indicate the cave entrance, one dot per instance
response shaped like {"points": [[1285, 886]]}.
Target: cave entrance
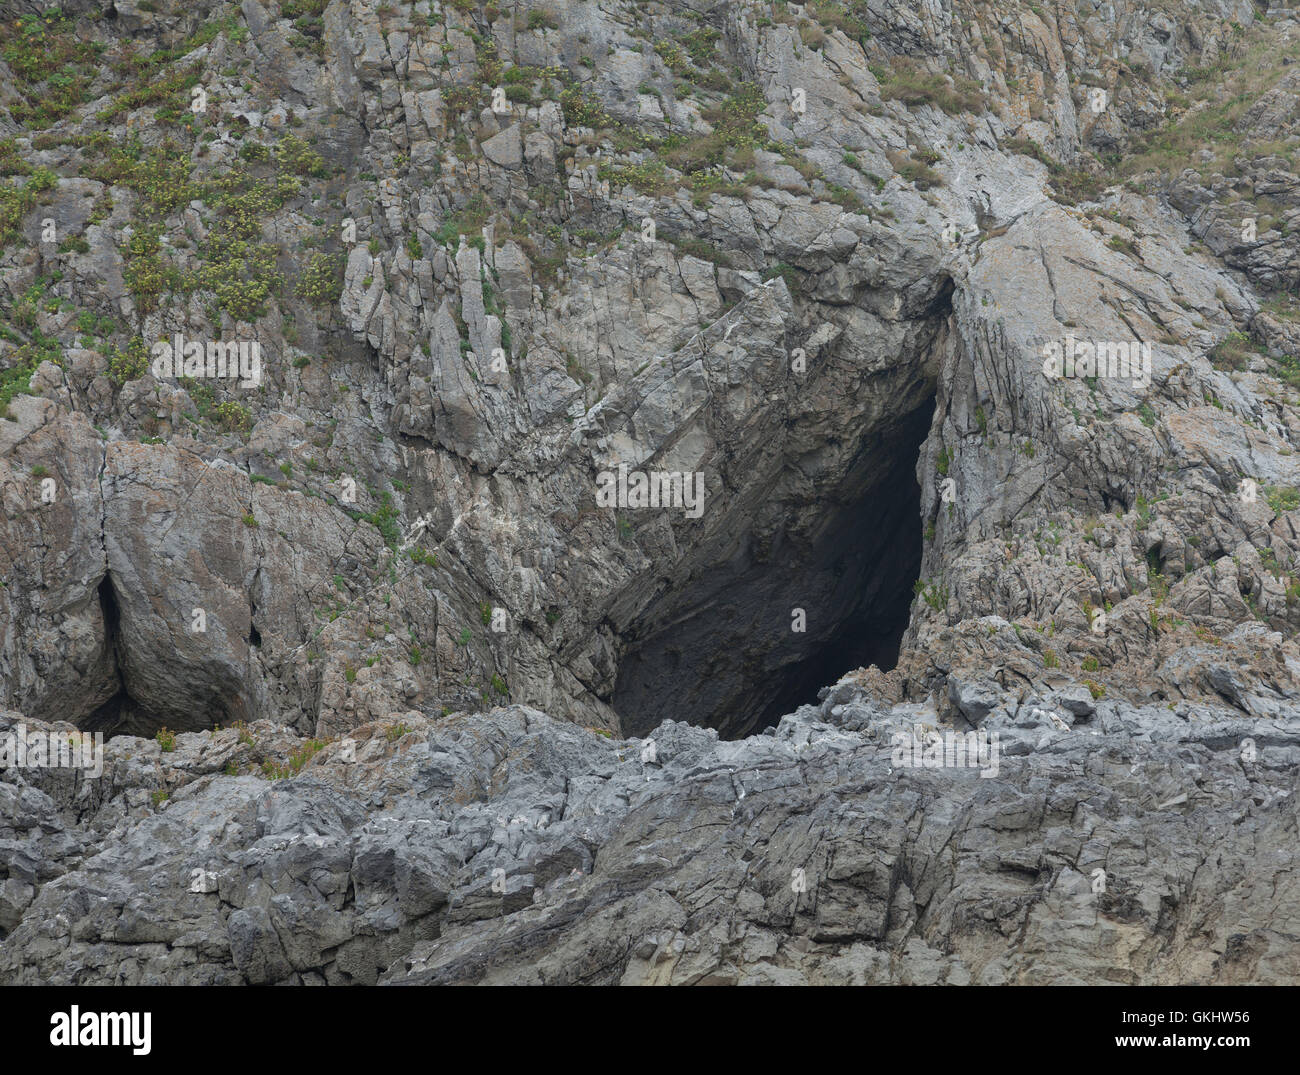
{"points": [[124, 713], [721, 651], [120, 714]]}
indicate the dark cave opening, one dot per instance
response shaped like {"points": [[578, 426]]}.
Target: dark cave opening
{"points": [[721, 651], [120, 712], [188, 703]]}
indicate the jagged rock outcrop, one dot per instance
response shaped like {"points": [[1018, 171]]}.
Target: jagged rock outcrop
{"points": [[1110, 844]]}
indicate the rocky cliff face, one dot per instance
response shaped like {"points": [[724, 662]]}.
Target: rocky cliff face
{"points": [[971, 328]]}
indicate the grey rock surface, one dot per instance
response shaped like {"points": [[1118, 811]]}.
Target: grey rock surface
{"points": [[1132, 845], [377, 666]]}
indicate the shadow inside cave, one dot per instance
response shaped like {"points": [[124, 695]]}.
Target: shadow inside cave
{"points": [[720, 651]]}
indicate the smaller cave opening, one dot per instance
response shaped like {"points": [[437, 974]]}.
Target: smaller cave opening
{"points": [[120, 713], [192, 707], [1156, 558]]}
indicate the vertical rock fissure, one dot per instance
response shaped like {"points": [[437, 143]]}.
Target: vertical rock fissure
{"points": [[108, 715]]}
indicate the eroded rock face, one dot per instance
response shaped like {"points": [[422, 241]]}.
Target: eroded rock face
{"points": [[1105, 844], [817, 266]]}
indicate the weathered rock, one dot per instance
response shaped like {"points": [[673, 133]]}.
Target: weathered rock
{"points": [[802, 856], [835, 315]]}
